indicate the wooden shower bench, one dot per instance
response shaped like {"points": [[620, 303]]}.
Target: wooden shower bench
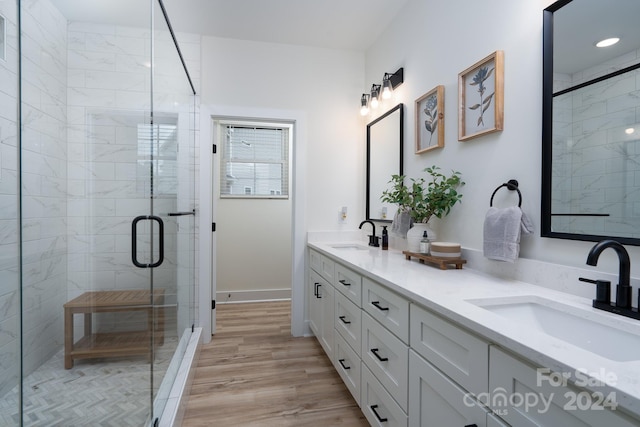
{"points": [[113, 344]]}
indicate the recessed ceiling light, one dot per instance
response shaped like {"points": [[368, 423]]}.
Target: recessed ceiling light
{"points": [[629, 131], [608, 42]]}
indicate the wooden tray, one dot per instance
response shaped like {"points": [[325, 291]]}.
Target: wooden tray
{"points": [[441, 262]]}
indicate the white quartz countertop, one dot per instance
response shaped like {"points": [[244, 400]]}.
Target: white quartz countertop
{"points": [[446, 292]]}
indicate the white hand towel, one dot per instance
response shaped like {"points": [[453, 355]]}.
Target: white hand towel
{"points": [[502, 228]]}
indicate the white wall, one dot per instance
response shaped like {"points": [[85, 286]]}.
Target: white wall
{"points": [[434, 41], [317, 88]]}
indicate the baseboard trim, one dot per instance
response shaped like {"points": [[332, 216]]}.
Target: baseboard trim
{"points": [[223, 297]]}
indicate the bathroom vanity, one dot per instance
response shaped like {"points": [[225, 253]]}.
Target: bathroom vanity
{"points": [[420, 346]]}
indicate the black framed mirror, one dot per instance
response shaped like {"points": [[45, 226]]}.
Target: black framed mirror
{"points": [[590, 128], [384, 158]]}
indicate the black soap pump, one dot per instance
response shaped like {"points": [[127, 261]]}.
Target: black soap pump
{"points": [[385, 238]]}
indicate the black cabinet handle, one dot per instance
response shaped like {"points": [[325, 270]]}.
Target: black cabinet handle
{"points": [[316, 292], [346, 322], [373, 409], [377, 305], [471, 425], [344, 282], [375, 353], [342, 363]]}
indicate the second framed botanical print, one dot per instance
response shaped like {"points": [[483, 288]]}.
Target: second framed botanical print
{"points": [[481, 97], [430, 120]]}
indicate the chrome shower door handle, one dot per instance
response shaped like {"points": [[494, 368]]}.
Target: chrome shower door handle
{"points": [[134, 244]]}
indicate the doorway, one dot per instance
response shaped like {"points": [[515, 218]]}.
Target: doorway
{"points": [[254, 209]]}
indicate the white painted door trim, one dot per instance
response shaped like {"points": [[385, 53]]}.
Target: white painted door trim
{"points": [[207, 203]]}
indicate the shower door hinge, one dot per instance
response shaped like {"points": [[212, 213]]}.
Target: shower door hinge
{"points": [[213, 227], [213, 304], [215, 148]]}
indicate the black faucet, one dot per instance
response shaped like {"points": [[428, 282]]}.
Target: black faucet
{"points": [[373, 239], [622, 304]]}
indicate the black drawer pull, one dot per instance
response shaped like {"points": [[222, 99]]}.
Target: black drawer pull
{"points": [[471, 425], [346, 322], [373, 409], [377, 305], [344, 282], [317, 291], [342, 363], [375, 353]]}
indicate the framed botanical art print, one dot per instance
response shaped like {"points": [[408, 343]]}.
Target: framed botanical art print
{"points": [[430, 120], [481, 97]]}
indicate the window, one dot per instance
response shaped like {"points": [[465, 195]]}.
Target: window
{"points": [[158, 155], [255, 159]]}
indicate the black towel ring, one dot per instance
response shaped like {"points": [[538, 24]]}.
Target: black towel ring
{"points": [[511, 185]]}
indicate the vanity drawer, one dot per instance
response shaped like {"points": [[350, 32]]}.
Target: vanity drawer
{"points": [[322, 264], [387, 358], [348, 321], [512, 377], [348, 365], [436, 401], [387, 307], [349, 283], [378, 405], [460, 355]]}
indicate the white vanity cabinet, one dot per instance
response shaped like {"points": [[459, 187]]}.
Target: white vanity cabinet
{"points": [[321, 295], [408, 365], [436, 401], [461, 355], [533, 400], [447, 370]]}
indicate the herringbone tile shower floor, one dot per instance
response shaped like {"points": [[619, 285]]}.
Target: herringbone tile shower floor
{"points": [[100, 392]]}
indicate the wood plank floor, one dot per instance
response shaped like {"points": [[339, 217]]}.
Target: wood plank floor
{"points": [[254, 373]]}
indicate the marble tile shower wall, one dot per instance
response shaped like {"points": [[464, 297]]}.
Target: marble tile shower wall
{"points": [[44, 180], [593, 152], [108, 96], [9, 262]]}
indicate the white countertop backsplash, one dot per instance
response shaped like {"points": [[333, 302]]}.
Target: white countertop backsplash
{"points": [[446, 292]]}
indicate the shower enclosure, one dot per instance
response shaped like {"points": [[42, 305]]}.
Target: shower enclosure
{"points": [[97, 212]]}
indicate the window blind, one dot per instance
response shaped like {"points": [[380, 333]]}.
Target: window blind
{"points": [[255, 161]]}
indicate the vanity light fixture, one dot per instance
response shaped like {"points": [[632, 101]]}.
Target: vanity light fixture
{"points": [[608, 42], [391, 81], [364, 104], [375, 95]]}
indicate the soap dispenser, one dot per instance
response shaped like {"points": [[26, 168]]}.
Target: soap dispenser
{"points": [[385, 238], [424, 244]]}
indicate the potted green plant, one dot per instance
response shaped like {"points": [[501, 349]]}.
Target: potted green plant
{"points": [[423, 198]]}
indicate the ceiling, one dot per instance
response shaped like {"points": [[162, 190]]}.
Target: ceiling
{"points": [[336, 24], [581, 23]]}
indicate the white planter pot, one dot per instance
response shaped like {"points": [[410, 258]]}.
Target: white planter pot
{"points": [[415, 233]]}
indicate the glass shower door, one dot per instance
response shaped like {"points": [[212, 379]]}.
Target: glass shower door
{"points": [[10, 361]]}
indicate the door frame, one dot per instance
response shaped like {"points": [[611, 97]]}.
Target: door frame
{"points": [[208, 206]]}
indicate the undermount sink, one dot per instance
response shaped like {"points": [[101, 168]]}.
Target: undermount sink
{"points": [[352, 246], [596, 332]]}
